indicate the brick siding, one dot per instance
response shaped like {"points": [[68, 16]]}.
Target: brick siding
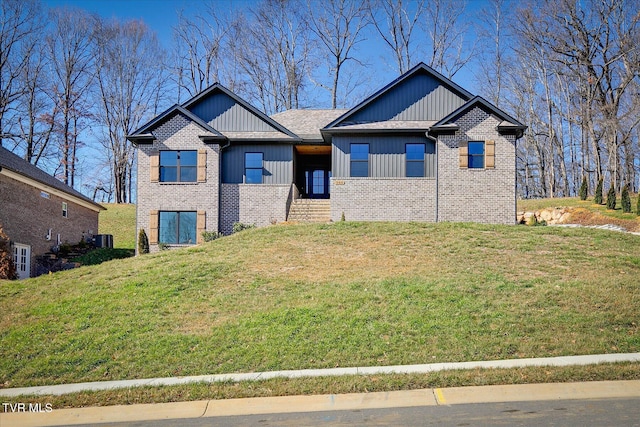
{"points": [[478, 195], [177, 133], [26, 217], [383, 199], [253, 204]]}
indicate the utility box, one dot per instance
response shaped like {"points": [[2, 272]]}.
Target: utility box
{"points": [[104, 240]]}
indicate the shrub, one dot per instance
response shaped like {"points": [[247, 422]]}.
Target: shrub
{"points": [[342, 217], [143, 242], [209, 236], [163, 246], [7, 266], [598, 196], [611, 198], [584, 189], [638, 205], [239, 226], [626, 199]]}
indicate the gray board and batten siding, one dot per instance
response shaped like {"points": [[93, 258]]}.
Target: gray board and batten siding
{"points": [[387, 158], [277, 163], [224, 114], [422, 97]]}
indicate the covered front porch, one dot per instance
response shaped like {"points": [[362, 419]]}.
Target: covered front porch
{"points": [[312, 171]]}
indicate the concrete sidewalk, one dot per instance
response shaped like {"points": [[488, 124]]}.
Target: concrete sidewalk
{"points": [[329, 402], [374, 370]]}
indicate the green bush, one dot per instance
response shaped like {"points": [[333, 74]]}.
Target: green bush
{"points": [[611, 198], [163, 246], [7, 266], [209, 236], [342, 217], [638, 205], [143, 242], [239, 226], [626, 199], [598, 196], [584, 189]]}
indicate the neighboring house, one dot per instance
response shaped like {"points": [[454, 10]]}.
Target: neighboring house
{"points": [[420, 149], [37, 211]]}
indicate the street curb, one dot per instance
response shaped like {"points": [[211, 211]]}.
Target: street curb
{"points": [[61, 389], [354, 401]]}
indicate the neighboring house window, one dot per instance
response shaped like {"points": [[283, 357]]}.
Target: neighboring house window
{"points": [[177, 227], [253, 168], [476, 155], [65, 210], [415, 160], [178, 166], [359, 160]]}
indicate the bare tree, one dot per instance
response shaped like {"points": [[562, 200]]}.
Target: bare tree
{"points": [[494, 39], [339, 25], [71, 58], [199, 44], [595, 42], [274, 53], [129, 87], [18, 21], [446, 34], [396, 22], [36, 111]]}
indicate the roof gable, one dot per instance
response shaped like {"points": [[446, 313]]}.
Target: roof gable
{"points": [[144, 133], [421, 94], [230, 114], [508, 123]]}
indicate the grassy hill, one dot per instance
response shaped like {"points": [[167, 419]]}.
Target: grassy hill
{"points": [[586, 212], [317, 296], [120, 221]]}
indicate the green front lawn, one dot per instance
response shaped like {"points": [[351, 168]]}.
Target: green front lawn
{"points": [[322, 296]]}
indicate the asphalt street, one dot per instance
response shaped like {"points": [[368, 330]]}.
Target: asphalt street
{"points": [[589, 412]]}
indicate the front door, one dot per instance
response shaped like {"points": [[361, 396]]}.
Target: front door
{"points": [[22, 260], [317, 181]]}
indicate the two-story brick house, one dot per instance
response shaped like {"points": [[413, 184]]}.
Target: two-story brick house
{"points": [[38, 211], [420, 149]]}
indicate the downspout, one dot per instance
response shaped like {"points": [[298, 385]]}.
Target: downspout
{"points": [[435, 141]]}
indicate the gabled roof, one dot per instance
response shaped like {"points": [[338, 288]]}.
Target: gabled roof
{"points": [[218, 88], [307, 123], [14, 163], [420, 69], [144, 134], [508, 123]]}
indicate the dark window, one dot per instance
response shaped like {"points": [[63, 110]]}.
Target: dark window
{"points": [[415, 160], [65, 210], [253, 168], [178, 227], [359, 160], [476, 155], [178, 166]]}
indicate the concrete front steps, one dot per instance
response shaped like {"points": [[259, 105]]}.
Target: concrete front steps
{"points": [[310, 210]]}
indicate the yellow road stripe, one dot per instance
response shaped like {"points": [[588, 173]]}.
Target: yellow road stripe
{"points": [[440, 397]]}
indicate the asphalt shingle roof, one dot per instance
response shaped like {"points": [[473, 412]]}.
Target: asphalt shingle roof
{"points": [[307, 123], [17, 164]]}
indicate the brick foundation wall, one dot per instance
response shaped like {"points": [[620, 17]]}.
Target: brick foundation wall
{"points": [[26, 217], [253, 204], [383, 199], [178, 133], [478, 195]]}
